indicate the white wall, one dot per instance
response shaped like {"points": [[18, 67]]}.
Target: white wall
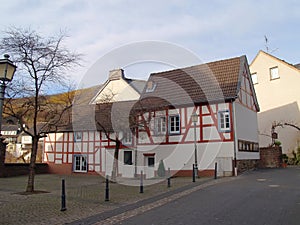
{"points": [[246, 129], [182, 157], [279, 100]]}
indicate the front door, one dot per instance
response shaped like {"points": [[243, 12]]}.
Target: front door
{"points": [[149, 166]]}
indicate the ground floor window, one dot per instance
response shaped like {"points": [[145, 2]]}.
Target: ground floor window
{"points": [[248, 146], [127, 157], [151, 161], [80, 163]]}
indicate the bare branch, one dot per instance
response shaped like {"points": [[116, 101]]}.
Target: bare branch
{"points": [[42, 62]]}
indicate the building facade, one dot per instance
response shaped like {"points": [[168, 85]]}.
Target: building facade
{"points": [[276, 84], [158, 127]]}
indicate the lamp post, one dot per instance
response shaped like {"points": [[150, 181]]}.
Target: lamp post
{"points": [[7, 71], [195, 120]]}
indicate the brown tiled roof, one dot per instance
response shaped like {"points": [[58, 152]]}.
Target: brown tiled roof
{"points": [[205, 83], [214, 81], [102, 117]]}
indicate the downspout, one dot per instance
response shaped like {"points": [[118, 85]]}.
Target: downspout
{"points": [[234, 139]]}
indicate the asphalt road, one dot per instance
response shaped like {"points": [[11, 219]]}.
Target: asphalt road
{"points": [[263, 197]]}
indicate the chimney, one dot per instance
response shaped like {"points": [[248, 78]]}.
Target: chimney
{"points": [[116, 74]]}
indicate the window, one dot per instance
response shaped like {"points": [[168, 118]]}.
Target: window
{"points": [[77, 136], [254, 78], [159, 125], [127, 157], [151, 161], [127, 139], [224, 121], [274, 74], [174, 124], [80, 163], [150, 86], [248, 146]]}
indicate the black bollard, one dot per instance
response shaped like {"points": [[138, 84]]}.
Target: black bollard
{"points": [[194, 174], [63, 196], [141, 183], [169, 178], [216, 170], [106, 189]]}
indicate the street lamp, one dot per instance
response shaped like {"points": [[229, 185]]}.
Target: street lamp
{"points": [[195, 121], [7, 71]]}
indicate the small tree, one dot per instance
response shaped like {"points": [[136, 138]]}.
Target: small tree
{"points": [[42, 62], [161, 171]]}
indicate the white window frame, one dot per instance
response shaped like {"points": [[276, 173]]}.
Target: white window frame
{"points": [[254, 78], [274, 73], [160, 127], [174, 124], [224, 121], [80, 163]]}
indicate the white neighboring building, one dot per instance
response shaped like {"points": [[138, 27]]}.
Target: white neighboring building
{"points": [[276, 85]]}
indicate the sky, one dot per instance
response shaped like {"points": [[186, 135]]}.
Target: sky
{"points": [[211, 30]]}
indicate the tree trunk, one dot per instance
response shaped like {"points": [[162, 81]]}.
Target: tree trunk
{"points": [[114, 172], [30, 183]]}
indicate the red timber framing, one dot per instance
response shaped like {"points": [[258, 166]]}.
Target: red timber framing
{"points": [[208, 123], [60, 148], [246, 94]]}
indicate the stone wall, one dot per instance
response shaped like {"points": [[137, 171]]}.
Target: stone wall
{"points": [[247, 164], [270, 157], [18, 169]]}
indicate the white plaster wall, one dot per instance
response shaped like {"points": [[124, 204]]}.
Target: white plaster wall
{"points": [[246, 123], [118, 90], [246, 129], [182, 157], [279, 100]]}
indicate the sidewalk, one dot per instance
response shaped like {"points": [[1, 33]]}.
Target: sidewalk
{"points": [[85, 198]]}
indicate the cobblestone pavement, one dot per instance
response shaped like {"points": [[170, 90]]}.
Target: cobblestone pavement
{"points": [[85, 199], [126, 212]]}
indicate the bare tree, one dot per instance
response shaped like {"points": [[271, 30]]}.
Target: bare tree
{"points": [[42, 63], [276, 124]]}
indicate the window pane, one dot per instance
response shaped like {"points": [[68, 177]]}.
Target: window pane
{"points": [[83, 164], [274, 73], [224, 121], [151, 161], [80, 163], [160, 125], [128, 157], [174, 124], [254, 78], [77, 163], [127, 137]]}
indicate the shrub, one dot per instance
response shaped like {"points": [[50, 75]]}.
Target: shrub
{"points": [[277, 143], [161, 171]]}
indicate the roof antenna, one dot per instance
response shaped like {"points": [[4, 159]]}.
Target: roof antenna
{"points": [[266, 43]]}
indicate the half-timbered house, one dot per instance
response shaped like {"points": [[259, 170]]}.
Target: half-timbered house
{"points": [[204, 114]]}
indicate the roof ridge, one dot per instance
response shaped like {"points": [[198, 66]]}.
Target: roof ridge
{"points": [[279, 59], [194, 66]]}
